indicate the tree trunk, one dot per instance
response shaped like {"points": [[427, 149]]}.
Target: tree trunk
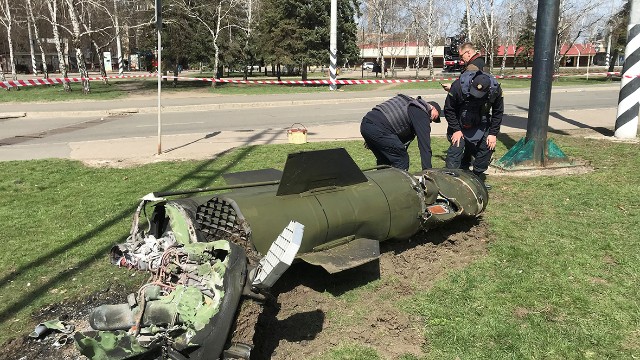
{"points": [[45, 71], [2, 77], [116, 23], [32, 50], [304, 71], [9, 27], [612, 62], [504, 59], [468, 20], [417, 59], [430, 39], [216, 48], [53, 10], [175, 73], [103, 71], [82, 67], [98, 50]]}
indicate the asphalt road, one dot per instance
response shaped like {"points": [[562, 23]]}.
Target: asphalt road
{"points": [[195, 115]]}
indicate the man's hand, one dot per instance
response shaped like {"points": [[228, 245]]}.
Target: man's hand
{"points": [[456, 137], [491, 142], [446, 87]]}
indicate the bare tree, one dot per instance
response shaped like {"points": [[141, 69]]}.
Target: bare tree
{"points": [[213, 17], [487, 34], [36, 33], [513, 19], [468, 14], [575, 17], [77, 44], [116, 23], [430, 28], [52, 5], [7, 21], [246, 25], [87, 24], [379, 12]]}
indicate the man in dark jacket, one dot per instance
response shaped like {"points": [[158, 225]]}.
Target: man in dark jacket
{"points": [[473, 110], [389, 128], [471, 58]]}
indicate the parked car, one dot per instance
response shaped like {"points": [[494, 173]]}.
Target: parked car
{"points": [[368, 65]]}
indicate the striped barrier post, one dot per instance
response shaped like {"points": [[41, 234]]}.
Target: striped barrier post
{"points": [[629, 99], [333, 46]]}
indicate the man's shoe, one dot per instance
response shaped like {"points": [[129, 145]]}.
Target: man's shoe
{"points": [[483, 178]]}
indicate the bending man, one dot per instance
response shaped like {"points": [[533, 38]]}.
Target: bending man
{"points": [[389, 128]]}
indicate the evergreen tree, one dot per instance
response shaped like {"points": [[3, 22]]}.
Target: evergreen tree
{"points": [[295, 33], [618, 23], [526, 40]]}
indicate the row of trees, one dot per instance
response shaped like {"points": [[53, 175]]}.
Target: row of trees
{"points": [[291, 34], [231, 33], [490, 24]]}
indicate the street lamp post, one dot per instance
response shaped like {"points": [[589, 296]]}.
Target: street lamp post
{"points": [[159, 62]]}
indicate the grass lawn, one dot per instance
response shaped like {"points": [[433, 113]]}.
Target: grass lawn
{"points": [[560, 279]]}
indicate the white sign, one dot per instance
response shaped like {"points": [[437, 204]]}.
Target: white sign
{"points": [[106, 57]]}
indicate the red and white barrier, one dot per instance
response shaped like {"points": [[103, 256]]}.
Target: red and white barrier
{"points": [[53, 81]]}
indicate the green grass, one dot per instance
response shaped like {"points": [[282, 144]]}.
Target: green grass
{"points": [[560, 279], [46, 93]]}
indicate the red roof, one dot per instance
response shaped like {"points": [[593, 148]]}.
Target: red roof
{"points": [[575, 50], [579, 49]]}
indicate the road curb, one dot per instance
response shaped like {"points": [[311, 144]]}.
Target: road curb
{"points": [[12, 115]]}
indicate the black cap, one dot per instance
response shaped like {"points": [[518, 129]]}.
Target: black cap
{"points": [[480, 85], [437, 106]]}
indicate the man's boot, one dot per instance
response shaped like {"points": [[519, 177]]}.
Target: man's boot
{"points": [[483, 178]]}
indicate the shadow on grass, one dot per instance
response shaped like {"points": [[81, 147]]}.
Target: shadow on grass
{"points": [[27, 297]]}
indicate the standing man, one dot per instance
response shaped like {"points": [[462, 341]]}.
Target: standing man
{"points": [[389, 128], [473, 109], [471, 58]]}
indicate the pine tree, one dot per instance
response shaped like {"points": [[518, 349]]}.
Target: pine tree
{"points": [[526, 40], [296, 32]]}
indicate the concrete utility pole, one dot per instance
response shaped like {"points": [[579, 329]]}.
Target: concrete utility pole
{"points": [[542, 77], [159, 62], [628, 101], [333, 45]]}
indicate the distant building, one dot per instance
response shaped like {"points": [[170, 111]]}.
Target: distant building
{"points": [[402, 55]]}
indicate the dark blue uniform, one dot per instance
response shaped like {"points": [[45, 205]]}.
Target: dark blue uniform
{"points": [[476, 118], [392, 125]]}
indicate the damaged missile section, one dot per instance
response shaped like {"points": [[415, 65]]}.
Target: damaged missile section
{"points": [[219, 248]]}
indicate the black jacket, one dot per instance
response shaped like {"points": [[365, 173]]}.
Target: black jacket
{"points": [[456, 103]]}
